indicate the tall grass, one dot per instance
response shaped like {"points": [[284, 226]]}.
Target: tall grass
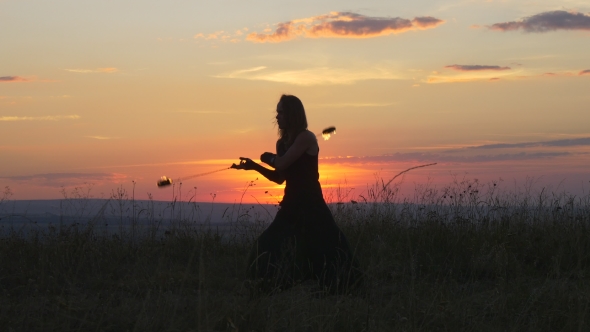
{"points": [[467, 256]]}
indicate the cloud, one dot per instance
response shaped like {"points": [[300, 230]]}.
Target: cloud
{"points": [[426, 22], [312, 76], [9, 79], [472, 73], [107, 70], [461, 79], [476, 67], [66, 179], [585, 72], [547, 21], [207, 162], [285, 31], [39, 118], [494, 77], [558, 74], [439, 157], [215, 35], [202, 112], [584, 141], [222, 36], [237, 73], [343, 25], [101, 137], [503, 152], [351, 105]]}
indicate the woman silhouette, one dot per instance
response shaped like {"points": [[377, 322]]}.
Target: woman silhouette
{"points": [[303, 242]]}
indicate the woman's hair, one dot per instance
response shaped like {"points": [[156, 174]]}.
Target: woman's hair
{"points": [[296, 121]]}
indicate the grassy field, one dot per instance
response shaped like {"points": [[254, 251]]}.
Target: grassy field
{"points": [[467, 257]]}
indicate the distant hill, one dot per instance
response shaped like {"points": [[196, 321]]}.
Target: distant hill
{"points": [[110, 215]]}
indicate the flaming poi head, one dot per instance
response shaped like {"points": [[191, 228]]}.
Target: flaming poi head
{"points": [[326, 133], [164, 181]]}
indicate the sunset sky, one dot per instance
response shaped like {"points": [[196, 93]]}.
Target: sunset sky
{"points": [[98, 94]]}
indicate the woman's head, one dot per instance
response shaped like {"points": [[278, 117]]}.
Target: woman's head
{"points": [[291, 118]]}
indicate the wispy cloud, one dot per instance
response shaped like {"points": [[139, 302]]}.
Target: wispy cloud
{"points": [[312, 76], [343, 25], [222, 36], [67, 179], [352, 105], [214, 35], [471, 73], [494, 73], [547, 75], [39, 118], [101, 137], [479, 154], [440, 157], [13, 79], [107, 70], [201, 112], [584, 141], [242, 72], [476, 67], [557, 74], [190, 162], [547, 21], [448, 79]]}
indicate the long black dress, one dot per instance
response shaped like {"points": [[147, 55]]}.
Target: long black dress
{"points": [[303, 242]]}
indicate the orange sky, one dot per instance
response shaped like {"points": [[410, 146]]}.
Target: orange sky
{"points": [[100, 95]]}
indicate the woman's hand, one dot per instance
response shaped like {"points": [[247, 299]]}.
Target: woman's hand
{"points": [[268, 158], [245, 164]]}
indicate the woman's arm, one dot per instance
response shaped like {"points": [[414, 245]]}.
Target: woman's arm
{"points": [[304, 141], [272, 175]]}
